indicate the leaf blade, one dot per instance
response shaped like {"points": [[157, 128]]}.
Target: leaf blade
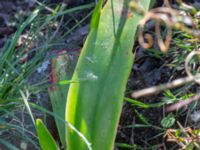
{"points": [[94, 103], [45, 138]]}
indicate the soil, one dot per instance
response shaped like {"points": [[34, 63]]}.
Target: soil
{"points": [[147, 71]]}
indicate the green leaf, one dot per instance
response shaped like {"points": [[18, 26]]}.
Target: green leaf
{"points": [[61, 73], [127, 146], [190, 146], [94, 103], [95, 17], [138, 126], [168, 121], [142, 118], [124, 145], [137, 103], [45, 138]]}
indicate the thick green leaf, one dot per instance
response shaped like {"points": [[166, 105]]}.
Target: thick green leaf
{"points": [[45, 138], [94, 103], [61, 72]]}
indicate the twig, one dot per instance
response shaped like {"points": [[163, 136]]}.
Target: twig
{"points": [[166, 15], [182, 103], [160, 88]]}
